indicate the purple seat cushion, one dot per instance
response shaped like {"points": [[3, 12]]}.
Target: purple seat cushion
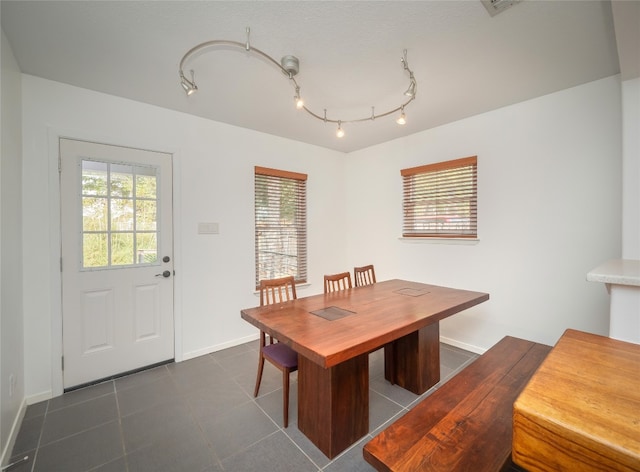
{"points": [[282, 354]]}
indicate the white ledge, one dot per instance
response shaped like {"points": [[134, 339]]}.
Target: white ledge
{"points": [[617, 272]]}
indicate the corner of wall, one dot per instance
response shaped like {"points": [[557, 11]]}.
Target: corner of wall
{"points": [[631, 169], [12, 391]]}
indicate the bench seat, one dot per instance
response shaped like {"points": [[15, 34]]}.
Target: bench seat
{"points": [[466, 424]]}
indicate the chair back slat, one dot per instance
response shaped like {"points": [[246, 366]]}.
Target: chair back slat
{"points": [[277, 290], [335, 282], [365, 275]]}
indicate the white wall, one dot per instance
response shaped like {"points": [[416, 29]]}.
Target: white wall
{"points": [[631, 169], [11, 326], [549, 178], [213, 182], [550, 210]]}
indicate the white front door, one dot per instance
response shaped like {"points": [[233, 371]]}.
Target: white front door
{"points": [[117, 260]]}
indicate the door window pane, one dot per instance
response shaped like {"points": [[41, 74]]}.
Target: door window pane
{"points": [[146, 183], [94, 214], [94, 178], [121, 180], [122, 248], [119, 218], [121, 214], [95, 250], [145, 215], [147, 248]]}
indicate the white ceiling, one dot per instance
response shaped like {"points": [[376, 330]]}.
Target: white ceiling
{"points": [[465, 61]]}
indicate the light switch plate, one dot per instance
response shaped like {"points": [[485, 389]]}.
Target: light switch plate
{"points": [[208, 228]]}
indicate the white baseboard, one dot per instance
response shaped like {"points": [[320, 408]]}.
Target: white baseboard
{"points": [[39, 397], [13, 434], [461, 345], [218, 347]]}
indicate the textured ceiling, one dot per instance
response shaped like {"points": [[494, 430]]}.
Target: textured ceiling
{"points": [[465, 61]]}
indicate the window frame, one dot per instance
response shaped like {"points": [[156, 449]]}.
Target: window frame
{"points": [[422, 185], [277, 178]]}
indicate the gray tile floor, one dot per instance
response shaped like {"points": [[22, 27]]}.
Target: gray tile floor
{"points": [[198, 416]]}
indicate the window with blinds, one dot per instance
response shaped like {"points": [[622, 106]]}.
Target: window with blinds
{"points": [[280, 224], [441, 200]]}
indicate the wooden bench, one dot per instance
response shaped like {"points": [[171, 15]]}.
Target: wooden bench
{"points": [[465, 425]]}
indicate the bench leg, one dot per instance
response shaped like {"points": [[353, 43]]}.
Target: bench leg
{"points": [[413, 361]]}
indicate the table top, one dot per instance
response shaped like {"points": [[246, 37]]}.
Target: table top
{"points": [[360, 319], [584, 397]]}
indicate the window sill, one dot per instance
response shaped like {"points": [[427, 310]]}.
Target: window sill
{"points": [[453, 241]]}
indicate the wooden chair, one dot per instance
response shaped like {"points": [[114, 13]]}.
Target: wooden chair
{"points": [[280, 355], [335, 282], [365, 275]]}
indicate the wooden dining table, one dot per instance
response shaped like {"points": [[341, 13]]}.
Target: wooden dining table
{"points": [[333, 335]]}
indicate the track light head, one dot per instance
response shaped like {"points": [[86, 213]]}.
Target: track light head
{"points": [[411, 91], [298, 99], [189, 86], [402, 119]]}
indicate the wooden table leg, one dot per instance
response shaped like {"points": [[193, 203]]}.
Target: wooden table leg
{"points": [[413, 361], [333, 403]]}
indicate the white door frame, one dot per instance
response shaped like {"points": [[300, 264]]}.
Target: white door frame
{"points": [[55, 248]]}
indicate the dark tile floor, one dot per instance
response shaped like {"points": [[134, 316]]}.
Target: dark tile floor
{"points": [[198, 416]]}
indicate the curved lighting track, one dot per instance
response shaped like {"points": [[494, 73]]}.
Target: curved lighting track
{"points": [[289, 66]]}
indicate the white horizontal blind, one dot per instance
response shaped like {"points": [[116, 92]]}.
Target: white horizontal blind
{"points": [[440, 200], [280, 224]]}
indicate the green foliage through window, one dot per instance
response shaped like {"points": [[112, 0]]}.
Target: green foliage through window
{"points": [[119, 214]]}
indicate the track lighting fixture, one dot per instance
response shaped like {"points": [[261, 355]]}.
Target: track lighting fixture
{"points": [[290, 66]]}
